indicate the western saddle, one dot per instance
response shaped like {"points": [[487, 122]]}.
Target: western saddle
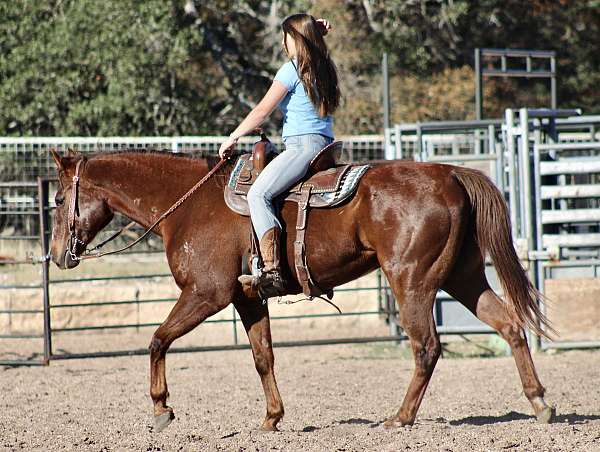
{"points": [[326, 184]]}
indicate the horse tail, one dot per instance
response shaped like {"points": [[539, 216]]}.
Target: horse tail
{"points": [[493, 235]]}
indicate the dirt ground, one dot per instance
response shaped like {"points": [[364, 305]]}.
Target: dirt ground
{"points": [[336, 398]]}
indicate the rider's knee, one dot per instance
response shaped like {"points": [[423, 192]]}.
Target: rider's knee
{"points": [[256, 195]]}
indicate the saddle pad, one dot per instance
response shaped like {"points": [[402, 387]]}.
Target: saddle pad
{"points": [[347, 186]]}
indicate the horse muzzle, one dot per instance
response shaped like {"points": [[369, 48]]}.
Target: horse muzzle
{"points": [[65, 260], [68, 261]]}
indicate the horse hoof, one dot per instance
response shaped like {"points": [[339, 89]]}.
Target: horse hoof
{"points": [[162, 421], [396, 422], [546, 415], [268, 427]]}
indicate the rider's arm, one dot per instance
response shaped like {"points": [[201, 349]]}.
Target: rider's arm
{"points": [[257, 116]]}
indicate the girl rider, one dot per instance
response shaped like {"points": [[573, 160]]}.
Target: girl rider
{"points": [[306, 90]]}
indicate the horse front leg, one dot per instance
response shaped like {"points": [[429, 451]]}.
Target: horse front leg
{"points": [[190, 310], [255, 317]]}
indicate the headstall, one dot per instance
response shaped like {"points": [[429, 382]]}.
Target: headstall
{"points": [[74, 212]]}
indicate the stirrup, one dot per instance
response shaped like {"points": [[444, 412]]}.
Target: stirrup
{"points": [[270, 284]]}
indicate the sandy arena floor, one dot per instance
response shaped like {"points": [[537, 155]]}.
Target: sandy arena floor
{"points": [[335, 398]]}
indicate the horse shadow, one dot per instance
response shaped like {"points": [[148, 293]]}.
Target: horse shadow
{"points": [[351, 421], [569, 418]]}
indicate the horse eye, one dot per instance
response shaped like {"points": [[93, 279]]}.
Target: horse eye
{"points": [[59, 200]]}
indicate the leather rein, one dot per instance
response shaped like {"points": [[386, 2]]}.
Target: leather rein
{"points": [[74, 213]]}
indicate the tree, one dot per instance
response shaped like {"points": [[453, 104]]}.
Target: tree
{"points": [[160, 67]]}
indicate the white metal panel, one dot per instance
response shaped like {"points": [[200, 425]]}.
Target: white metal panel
{"points": [[570, 240], [570, 191], [570, 216], [580, 166], [568, 146]]}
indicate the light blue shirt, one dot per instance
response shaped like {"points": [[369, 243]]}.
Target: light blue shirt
{"points": [[299, 115]]}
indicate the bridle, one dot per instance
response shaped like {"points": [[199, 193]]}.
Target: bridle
{"points": [[73, 213]]}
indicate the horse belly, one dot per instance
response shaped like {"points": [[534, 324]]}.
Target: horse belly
{"points": [[334, 249]]}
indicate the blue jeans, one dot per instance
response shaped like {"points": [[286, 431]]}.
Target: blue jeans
{"points": [[284, 170]]}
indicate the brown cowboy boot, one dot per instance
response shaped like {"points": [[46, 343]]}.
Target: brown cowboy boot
{"points": [[270, 283]]}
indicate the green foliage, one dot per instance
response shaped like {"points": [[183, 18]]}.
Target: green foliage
{"points": [[88, 67], [83, 67], [126, 67]]}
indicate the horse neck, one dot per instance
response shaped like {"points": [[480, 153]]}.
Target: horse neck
{"points": [[143, 186]]}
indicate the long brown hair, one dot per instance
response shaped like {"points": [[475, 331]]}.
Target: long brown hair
{"points": [[316, 69]]}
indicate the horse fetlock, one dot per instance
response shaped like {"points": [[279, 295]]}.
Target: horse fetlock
{"points": [[161, 407], [273, 417], [535, 395], [269, 425], [159, 397], [275, 414]]}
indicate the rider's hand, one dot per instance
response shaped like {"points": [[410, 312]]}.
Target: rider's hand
{"points": [[325, 26], [227, 147]]}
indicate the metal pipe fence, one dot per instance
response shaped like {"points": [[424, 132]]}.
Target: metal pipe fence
{"points": [[520, 153]]}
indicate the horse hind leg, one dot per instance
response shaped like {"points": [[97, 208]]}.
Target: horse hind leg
{"points": [[482, 301], [187, 313]]}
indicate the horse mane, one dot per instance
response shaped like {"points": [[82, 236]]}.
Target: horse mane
{"points": [[221, 176]]}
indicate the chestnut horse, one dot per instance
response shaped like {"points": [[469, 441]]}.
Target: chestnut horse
{"points": [[428, 226]]}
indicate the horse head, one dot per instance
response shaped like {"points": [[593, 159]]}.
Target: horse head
{"points": [[81, 211]]}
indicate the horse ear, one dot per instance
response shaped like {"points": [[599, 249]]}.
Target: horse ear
{"points": [[72, 153], [57, 159]]}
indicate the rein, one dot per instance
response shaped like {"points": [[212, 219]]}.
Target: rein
{"points": [[74, 212]]}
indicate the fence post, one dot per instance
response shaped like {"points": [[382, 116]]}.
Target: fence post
{"points": [[509, 119], [234, 324], [419, 145], [527, 222], [44, 224], [386, 91], [379, 289], [478, 86], [528, 229], [553, 97]]}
